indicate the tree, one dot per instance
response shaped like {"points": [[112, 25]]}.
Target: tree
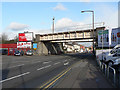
{"points": [[4, 37]]}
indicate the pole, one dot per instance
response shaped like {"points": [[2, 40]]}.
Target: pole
{"points": [[53, 25], [93, 33]]}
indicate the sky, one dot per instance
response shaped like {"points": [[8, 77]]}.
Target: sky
{"points": [[18, 17]]}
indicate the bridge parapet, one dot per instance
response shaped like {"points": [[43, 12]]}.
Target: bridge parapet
{"points": [[84, 34]]}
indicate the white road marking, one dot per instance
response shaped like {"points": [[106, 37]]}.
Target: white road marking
{"points": [[66, 63], [16, 66], [56, 63], [47, 66], [20, 61], [35, 62], [44, 67], [14, 77], [46, 62], [65, 60]]}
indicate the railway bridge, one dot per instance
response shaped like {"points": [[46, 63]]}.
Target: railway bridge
{"points": [[52, 43]]}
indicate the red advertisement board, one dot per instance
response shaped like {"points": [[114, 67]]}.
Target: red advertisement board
{"points": [[22, 37], [25, 36]]}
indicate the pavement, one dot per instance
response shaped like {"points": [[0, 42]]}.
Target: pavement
{"points": [[52, 71], [84, 74]]}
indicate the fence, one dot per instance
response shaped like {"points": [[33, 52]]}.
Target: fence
{"points": [[111, 73]]}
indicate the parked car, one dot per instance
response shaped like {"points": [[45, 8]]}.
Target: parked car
{"points": [[18, 53], [111, 57], [29, 52], [116, 61], [4, 52]]}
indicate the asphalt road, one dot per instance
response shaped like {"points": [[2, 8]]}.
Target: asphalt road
{"points": [[40, 71]]}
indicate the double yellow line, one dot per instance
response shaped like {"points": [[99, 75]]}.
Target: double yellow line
{"points": [[53, 80]]}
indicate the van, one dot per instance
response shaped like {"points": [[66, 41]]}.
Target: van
{"points": [[111, 57]]}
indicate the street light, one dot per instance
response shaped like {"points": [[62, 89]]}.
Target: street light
{"points": [[92, 25], [53, 25]]}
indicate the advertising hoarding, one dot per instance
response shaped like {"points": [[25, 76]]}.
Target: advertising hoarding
{"points": [[26, 36], [24, 44], [114, 37], [104, 38], [109, 37]]}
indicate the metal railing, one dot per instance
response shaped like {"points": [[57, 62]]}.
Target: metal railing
{"points": [[114, 74], [110, 73]]}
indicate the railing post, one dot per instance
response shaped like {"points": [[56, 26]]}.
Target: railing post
{"points": [[119, 77], [108, 72], [114, 78]]}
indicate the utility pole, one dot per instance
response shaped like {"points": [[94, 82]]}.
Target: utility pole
{"points": [[53, 25]]}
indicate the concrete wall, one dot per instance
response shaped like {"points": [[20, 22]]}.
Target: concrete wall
{"points": [[42, 49]]}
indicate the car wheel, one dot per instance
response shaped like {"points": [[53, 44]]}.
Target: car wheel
{"points": [[110, 63]]}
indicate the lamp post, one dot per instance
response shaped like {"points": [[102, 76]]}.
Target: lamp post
{"points": [[93, 27], [53, 25]]}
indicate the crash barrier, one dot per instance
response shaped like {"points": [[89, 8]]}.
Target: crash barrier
{"points": [[111, 73]]}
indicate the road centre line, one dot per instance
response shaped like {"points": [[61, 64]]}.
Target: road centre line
{"points": [[66, 63], [56, 63], [36, 62], [14, 77], [54, 79], [65, 60], [46, 62], [57, 78], [16, 66], [43, 67], [58, 75]]}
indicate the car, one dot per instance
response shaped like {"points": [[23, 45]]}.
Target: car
{"points": [[19, 53], [111, 57], [116, 61], [4, 52], [29, 52]]}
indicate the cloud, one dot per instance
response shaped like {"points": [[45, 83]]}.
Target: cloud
{"points": [[65, 24], [85, 0], [109, 15], [17, 26], [59, 7]]}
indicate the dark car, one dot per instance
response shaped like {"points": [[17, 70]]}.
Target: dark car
{"points": [[18, 53], [4, 52]]}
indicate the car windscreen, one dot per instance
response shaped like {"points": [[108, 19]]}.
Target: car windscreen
{"points": [[16, 51]]}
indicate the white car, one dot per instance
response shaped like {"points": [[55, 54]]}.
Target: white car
{"points": [[29, 52], [111, 57], [116, 61]]}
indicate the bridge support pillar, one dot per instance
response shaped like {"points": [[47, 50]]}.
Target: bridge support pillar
{"points": [[58, 47], [42, 49]]}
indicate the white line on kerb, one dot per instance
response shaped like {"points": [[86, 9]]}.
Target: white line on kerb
{"points": [[56, 63], [44, 67], [17, 65], [15, 77]]}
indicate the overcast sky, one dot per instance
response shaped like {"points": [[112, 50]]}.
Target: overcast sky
{"points": [[37, 16]]}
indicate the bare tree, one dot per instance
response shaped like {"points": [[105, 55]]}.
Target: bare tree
{"points": [[4, 37], [15, 39]]}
